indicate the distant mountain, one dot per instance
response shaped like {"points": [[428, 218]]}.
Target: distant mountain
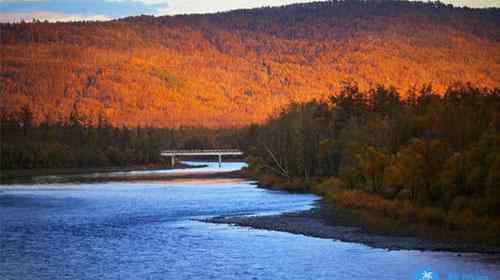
{"points": [[234, 68]]}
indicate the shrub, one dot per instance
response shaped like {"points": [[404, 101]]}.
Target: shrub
{"points": [[462, 219], [328, 185], [431, 216], [269, 180]]}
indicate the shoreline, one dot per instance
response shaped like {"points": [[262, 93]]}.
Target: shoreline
{"points": [[175, 178], [319, 222], [21, 173], [97, 175]]}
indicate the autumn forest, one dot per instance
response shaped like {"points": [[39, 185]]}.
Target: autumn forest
{"points": [[236, 68]]}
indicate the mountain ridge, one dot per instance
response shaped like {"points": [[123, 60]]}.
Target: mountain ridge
{"points": [[239, 67]]}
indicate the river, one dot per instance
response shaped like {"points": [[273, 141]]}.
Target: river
{"points": [[146, 230]]}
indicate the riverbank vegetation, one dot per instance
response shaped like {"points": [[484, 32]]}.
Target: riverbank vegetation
{"points": [[429, 161]]}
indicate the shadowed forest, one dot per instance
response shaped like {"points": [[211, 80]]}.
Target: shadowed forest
{"points": [[25, 146], [237, 68]]}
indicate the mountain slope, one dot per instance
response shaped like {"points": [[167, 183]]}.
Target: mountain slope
{"points": [[231, 69]]}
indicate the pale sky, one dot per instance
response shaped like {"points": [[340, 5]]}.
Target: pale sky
{"points": [[71, 10]]}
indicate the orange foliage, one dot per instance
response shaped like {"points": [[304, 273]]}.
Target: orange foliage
{"points": [[235, 68]]}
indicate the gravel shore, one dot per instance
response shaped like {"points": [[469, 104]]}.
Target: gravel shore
{"points": [[317, 223]]}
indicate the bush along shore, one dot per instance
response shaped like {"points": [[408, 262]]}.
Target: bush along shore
{"points": [[355, 216], [427, 166]]}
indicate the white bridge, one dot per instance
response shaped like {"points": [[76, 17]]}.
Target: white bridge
{"points": [[219, 153]]}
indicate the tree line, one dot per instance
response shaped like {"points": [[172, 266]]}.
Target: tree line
{"points": [[26, 145], [435, 151]]}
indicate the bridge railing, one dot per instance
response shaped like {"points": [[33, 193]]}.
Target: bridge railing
{"points": [[202, 151], [215, 152]]}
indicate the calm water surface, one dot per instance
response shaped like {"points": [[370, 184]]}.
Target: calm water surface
{"points": [[144, 230]]}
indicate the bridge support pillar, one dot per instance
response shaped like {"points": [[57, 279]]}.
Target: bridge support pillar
{"points": [[220, 160]]}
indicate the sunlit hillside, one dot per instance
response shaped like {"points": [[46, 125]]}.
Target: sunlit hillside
{"points": [[231, 69]]}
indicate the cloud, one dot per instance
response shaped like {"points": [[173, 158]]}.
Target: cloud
{"points": [[145, 2], [78, 9], [196, 7], [49, 16]]}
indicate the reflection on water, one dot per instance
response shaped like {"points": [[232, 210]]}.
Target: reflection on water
{"points": [[197, 168], [145, 231], [208, 167]]}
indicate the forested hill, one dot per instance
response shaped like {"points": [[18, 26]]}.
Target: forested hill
{"points": [[235, 68]]}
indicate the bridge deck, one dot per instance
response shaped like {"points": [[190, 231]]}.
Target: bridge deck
{"points": [[201, 152], [219, 153]]}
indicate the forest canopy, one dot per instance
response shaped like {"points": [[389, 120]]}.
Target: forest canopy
{"points": [[236, 68]]}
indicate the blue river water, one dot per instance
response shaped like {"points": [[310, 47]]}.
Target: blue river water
{"points": [[145, 230]]}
